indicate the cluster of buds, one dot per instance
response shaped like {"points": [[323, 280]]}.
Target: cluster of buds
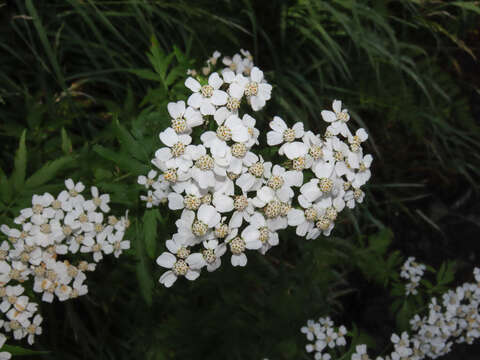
{"points": [[40, 251], [230, 197], [413, 272], [326, 337]]}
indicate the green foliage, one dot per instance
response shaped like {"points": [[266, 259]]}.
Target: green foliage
{"points": [[83, 93]]}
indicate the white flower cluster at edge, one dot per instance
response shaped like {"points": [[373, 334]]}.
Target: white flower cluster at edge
{"points": [[453, 319], [231, 199], [37, 251]]}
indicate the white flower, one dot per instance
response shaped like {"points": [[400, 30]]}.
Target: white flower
{"points": [[249, 239], [176, 154], [268, 237], [148, 180], [209, 257], [257, 90], [98, 201], [337, 118], [243, 210], [178, 268], [267, 199], [73, 192], [249, 123], [281, 133], [34, 328], [183, 119], [252, 177], [310, 330], [118, 244], [360, 352], [208, 96]]}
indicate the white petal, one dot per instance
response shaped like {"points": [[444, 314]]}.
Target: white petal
{"points": [[298, 128], [274, 138], [328, 116], [256, 74], [168, 278], [169, 137], [172, 246], [236, 91], [337, 106], [215, 81], [219, 98], [166, 260], [239, 260], [195, 100], [207, 108], [222, 202], [295, 149], [195, 261], [278, 125], [192, 275], [193, 84], [295, 217], [177, 109]]}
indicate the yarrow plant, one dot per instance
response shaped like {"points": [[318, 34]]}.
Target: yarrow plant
{"points": [[230, 198], [413, 272], [55, 243], [454, 318]]}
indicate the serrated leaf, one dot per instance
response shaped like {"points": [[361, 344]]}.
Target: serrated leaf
{"points": [[123, 161], [48, 171], [129, 143], [66, 142], [150, 229], [380, 241], [146, 74], [18, 176]]}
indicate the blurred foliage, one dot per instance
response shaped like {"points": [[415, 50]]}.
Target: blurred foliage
{"points": [[83, 91]]}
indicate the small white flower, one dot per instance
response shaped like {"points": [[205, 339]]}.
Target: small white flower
{"points": [[208, 96], [281, 133], [178, 267]]}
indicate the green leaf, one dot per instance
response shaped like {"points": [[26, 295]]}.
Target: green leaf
{"points": [[19, 351], [146, 74], [42, 33], [129, 143], [66, 143], [467, 5], [143, 272], [48, 171], [150, 230], [380, 241], [18, 176], [123, 161], [5, 188]]}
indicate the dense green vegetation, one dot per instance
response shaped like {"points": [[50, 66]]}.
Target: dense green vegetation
{"points": [[84, 87]]}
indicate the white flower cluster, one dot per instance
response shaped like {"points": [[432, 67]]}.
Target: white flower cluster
{"points": [[454, 319], [48, 231], [231, 197], [325, 335], [413, 272]]}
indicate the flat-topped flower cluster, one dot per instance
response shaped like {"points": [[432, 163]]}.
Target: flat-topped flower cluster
{"points": [[231, 198], [453, 319], [47, 253]]}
